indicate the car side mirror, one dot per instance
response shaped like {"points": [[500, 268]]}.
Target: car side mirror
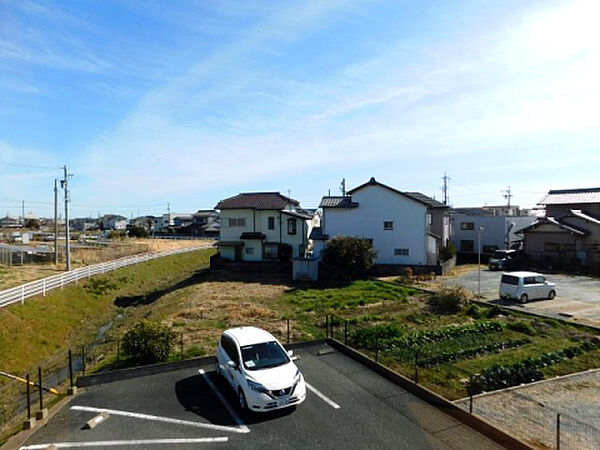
{"points": [[290, 352], [232, 364]]}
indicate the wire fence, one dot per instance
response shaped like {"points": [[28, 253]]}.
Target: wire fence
{"points": [[41, 287]]}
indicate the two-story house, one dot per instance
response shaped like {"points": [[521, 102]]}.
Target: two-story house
{"points": [[405, 228], [568, 236], [261, 226]]}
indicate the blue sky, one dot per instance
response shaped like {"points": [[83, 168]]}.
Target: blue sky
{"points": [[190, 102]]}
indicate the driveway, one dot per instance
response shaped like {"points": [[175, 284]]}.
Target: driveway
{"points": [[577, 297]]}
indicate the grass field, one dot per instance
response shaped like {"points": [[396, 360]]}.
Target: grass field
{"points": [[16, 275]]}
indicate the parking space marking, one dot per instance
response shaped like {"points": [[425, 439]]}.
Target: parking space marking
{"points": [[323, 397], [122, 443], [116, 412], [230, 410]]}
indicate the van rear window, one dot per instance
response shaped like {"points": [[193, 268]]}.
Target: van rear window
{"points": [[509, 279]]}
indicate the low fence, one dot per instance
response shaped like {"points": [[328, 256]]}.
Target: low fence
{"points": [[40, 287]]}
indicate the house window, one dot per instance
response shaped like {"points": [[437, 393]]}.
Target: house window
{"points": [[291, 226], [237, 222], [388, 225], [271, 251], [467, 226], [401, 252], [490, 248], [466, 246], [249, 250], [271, 223]]}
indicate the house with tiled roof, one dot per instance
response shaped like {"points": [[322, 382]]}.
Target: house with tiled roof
{"points": [[262, 226], [405, 228], [568, 235]]}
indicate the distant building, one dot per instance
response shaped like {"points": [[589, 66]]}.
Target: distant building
{"points": [[82, 224], [499, 230], [9, 221], [568, 235], [113, 222], [146, 222]]}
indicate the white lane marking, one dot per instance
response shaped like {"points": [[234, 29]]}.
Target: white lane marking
{"points": [[323, 397], [116, 412], [121, 443], [223, 400]]}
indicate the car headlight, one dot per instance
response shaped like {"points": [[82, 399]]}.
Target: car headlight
{"points": [[257, 387], [297, 377]]}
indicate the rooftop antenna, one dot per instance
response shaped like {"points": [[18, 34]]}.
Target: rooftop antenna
{"points": [[446, 178], [343, 187], [508, 196]]}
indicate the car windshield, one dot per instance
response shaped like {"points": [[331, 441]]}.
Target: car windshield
{"points": [[509, 279], [263, 356]]}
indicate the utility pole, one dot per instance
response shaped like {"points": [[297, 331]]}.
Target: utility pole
{"points": [[55, 223], [507, 196], [446, 178], [23, 213], [65, 184], [343, 187]]}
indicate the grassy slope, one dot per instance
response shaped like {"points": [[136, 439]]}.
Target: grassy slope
{"points": [[40, 328]]}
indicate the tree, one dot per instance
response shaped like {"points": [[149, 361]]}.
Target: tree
{"points": [[348, 258], [148, 342], [135, 231], [32, 223]]}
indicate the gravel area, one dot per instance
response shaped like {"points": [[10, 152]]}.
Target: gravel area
{"points": [[530, 411]]}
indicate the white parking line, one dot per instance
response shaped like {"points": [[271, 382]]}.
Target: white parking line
{"points": [[230, 410], [122, 443], [116, 412], [323, 397]]}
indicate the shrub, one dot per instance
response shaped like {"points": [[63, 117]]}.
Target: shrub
{"points": [[494, 311], [348, 258], [448, 252], [148, 342], [522, 326], [449, 300], [135, 231], [476, 312]]}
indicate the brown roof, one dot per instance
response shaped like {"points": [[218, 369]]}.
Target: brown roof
{"points": [[257, 200], [571, 196]]}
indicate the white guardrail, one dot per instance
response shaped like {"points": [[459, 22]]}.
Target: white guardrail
{"points": [[20, 293]]}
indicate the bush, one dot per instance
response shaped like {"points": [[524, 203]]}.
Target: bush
{"points": [[348, 258], [148, 342], [522, 327], [449, 300], [139, 232], [116, 234], [448, 252], [476, 312]]}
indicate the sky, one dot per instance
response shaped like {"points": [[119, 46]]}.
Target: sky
{"points": [[153, 103]]}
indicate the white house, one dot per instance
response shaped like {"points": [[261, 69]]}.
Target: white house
{"points": [[499, 230], [399, 224], [261, 226]]}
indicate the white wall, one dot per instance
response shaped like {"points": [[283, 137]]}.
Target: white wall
{"points": [[495, 229], [376, 205]]}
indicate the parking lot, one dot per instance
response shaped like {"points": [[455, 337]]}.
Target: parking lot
{"points": [[576, 296], [347, 405]]}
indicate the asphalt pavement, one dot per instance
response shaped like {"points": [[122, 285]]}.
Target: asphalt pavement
{"points": [[577, 297], [347, 406]]}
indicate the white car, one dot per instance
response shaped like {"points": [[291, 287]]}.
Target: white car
{"points": [[259, 370], [525, 286]]}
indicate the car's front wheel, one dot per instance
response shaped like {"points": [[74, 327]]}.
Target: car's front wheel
{"points": [[242, 400], [551, 295], [524, 298]]}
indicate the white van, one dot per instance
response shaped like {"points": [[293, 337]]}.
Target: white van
{"points": [[525, 286]]}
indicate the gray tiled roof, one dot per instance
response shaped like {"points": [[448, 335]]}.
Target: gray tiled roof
{"points": [[431, 202], [337, 202], [471, 212], [257, 200], [571, 196]]}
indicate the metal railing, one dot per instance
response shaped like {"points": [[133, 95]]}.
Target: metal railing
{"points": [[41, 287]]}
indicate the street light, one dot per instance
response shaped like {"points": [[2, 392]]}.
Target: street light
{"points": [[479, 262]]}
